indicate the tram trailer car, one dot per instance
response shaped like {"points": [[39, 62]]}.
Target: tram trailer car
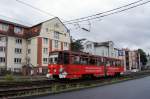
{"points": [[75, 65]]}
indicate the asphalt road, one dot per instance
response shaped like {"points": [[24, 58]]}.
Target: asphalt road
{"points": [[134, 89]]}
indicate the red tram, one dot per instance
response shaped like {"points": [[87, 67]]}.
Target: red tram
{"points": [[71, 65]]}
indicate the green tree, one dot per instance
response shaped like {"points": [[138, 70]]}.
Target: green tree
{"points": [[76, 45], [143, 58]]}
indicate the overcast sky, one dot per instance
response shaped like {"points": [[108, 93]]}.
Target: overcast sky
{"points": [[127, 29]]}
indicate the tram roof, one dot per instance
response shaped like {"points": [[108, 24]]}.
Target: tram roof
{"points": [[85, 54]]}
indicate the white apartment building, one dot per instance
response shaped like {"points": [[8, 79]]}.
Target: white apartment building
{"points": [[21, 45], [102, 48]]}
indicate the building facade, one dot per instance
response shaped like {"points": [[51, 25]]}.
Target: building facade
{"points": [[131, 60], [106, 49], [21, 45]]}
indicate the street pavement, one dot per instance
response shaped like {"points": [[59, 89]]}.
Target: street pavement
{"points": [[133, 89]]}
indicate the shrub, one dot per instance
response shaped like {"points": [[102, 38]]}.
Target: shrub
{"points": [[9, 77]]}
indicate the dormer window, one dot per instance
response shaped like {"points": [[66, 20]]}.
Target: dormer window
{"points": [[18, 30], [4, 27]]}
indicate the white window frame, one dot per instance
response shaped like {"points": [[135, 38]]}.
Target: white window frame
{"points": [[18, 50], [45, 40], [45, 50], [18, 41], [2, 59], [18, 30], [45, 60], [2, 49], [56, 35], [56, 43], [17, 60], [65, 44], [4, 27], [29, 41]]}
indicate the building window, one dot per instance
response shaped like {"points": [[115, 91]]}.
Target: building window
{"points": [[46, 29], [56, 43], [65, 44], [88, 46], [17, 60], [2, 39], [18, 50], [45, 60], [2, 59], [45, 40], [4, 27], [18, 30], [103, 53], [18, 41], [29, 51], [65, 34], [45, 50], [28, 60], [29, 41], [56, 35], [2, 49], [106, 54]]}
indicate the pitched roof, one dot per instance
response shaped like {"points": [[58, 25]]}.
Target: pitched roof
{"points": [[13, 23], [24, 26]]}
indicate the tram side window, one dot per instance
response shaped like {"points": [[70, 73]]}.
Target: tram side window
{"points": [[102, 61], [66, 58], [60, 58], [99, 63], [84, 61], [119, 63], [111, 63], [55, 60], [114, 63], [76, 60], [93, 61], [51, 60], [122, 63], [107, 63]]}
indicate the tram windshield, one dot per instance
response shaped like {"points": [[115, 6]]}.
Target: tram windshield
{"points": [[53, 58]]}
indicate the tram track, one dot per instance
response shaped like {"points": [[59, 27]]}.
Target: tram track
{"points": [[18, 90]]}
